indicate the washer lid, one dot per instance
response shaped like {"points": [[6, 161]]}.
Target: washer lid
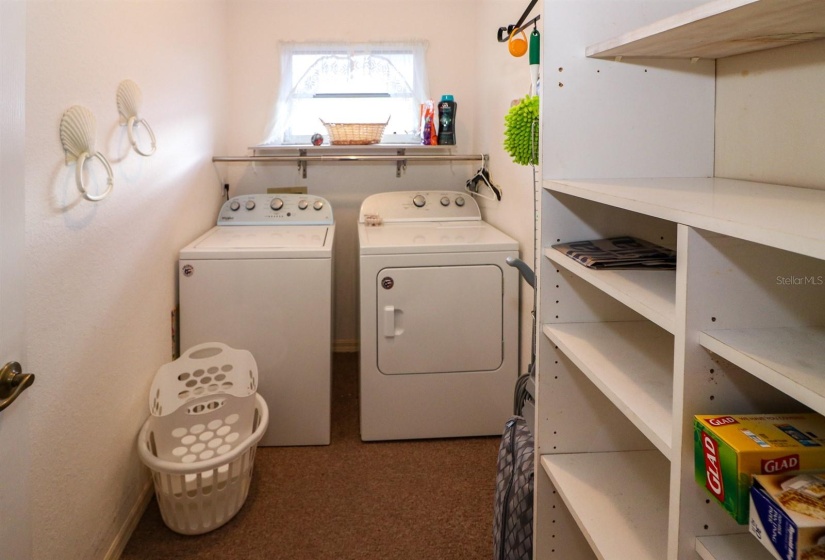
{"points": [[432, 237], [288, 242]]}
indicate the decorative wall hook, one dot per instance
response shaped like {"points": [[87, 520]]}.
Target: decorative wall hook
{"points": [[77, 134], [128, 104]]}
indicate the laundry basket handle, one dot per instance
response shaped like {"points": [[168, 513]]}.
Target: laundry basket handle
{"points": [[207, 368], [205, 350]]}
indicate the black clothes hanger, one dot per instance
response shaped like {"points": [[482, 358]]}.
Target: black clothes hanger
{"points": [[482, 178]]}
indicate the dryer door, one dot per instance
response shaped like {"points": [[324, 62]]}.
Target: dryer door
{"points": [[439, 319]]}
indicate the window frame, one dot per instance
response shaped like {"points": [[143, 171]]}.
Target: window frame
{"points": [[278, 130]]}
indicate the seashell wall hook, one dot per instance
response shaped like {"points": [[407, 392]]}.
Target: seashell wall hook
{"points": [[77, 134], [129, 99]]}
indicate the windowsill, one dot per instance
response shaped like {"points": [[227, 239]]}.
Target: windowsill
{"points": [[384, 147]]}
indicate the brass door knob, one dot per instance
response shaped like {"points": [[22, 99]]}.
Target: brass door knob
{"points": [[13, 382]]}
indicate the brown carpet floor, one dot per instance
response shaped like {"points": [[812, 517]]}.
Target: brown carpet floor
{"points": [[403, 500]]}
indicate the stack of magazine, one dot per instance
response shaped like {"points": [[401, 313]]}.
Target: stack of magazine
{"points": [[618, 253]]}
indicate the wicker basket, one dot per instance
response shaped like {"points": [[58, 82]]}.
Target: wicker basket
{"points": [[352, 134]]}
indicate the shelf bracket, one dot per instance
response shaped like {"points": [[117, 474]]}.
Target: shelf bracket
{"points": [[401, 164], [302, 164]]}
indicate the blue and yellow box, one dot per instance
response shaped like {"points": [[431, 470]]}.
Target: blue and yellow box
{"points": [[787, 515]]}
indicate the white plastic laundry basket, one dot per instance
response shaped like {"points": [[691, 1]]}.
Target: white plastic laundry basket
{"points": [[199, 441]]}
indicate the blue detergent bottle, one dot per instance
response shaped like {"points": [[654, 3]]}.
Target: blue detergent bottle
{"points": [[446, 120]]}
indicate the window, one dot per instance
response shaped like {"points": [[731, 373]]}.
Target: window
{"points": [[349, 83]]}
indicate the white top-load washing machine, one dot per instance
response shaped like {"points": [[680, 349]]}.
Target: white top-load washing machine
{"points": [[261, 280], [439, 318]]}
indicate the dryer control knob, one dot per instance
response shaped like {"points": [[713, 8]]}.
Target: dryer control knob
{"points": [[459, 201], [276, 204], [234, 205], [419, 200], [445, 201], [302, 204], [318, 204], [250, 204]]}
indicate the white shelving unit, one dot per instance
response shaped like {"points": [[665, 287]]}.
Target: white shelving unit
{"points": [[651, 293], [720, 29], [731, 547], [612, 497], [777, 216], [631, 362], [789, 358], [626, 358]]}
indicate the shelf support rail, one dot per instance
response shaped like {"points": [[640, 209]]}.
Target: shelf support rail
{"points": [[400, 158]]}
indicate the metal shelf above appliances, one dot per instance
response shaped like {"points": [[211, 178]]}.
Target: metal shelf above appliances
{"points": [[401, 154]]}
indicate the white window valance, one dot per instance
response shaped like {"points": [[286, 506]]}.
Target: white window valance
{"points": [[348, 82]]}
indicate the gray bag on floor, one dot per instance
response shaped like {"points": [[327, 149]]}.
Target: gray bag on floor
{"points": [[513, 508]]}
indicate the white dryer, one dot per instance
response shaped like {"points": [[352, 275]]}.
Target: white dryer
{"points": [[261, 280], [439, 318]]}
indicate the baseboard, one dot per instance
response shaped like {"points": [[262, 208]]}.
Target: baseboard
{"points": [[125, 533], [345, 346]]}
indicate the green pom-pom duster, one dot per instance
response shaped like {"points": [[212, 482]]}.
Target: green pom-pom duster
{"points": [[520, 123]]}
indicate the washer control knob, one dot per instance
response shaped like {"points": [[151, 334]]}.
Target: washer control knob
{"points": [[276, 204], [419, 200], [318, 204], [234, 205], [445, 201], [302, 204], [459, 201], [250, 204]]}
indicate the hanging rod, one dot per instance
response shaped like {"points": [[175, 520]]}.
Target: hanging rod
{"points": [[527, 24], [504, 32], [400, 158]]}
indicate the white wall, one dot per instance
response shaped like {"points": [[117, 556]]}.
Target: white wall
{"points": [[502, 78], [257, 26], [463, 59], [102, 276], [770, 115]]}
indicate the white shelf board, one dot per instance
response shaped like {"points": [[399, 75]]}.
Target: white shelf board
{"points": [[651, 293], [719, 29], [731, 547], [784, 217], [619, 500], [792, 359], [632, 364]]}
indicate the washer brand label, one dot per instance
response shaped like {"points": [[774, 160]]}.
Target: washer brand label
{"points": [[387, 283], [713, 471], [188, 270]]}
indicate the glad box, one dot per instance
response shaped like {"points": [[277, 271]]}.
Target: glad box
{"points": [[728, 450]]}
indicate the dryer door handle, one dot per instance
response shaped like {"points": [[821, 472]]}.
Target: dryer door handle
{"points": [[389, 321]]}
